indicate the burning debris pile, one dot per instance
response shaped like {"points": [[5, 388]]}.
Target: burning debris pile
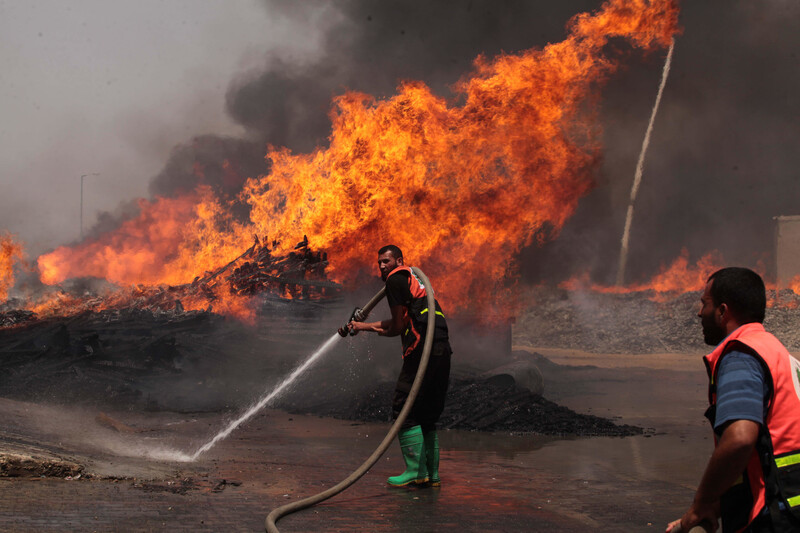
{"points": [[520, 130], [12, 317], [299, 274]]}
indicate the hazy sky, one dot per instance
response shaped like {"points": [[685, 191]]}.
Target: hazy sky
{"points": [[93, 86]]}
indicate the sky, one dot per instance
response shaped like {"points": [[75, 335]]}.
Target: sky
{"points": [[137, 91], [111, 88]]}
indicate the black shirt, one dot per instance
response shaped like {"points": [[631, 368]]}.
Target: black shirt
{"points": [[397, 289]]}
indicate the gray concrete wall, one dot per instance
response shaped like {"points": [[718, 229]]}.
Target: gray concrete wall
{"points": [[787, 249]]}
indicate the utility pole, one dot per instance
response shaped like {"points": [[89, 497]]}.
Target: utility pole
{"points": [[83, 176]]}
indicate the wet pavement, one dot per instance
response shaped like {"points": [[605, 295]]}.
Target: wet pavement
{"points": [[489, 482]]}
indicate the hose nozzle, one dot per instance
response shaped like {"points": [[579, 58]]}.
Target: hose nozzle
{"points": [[357, 315]]}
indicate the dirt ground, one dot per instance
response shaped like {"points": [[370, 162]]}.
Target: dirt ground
{"points": [[119, 471]]}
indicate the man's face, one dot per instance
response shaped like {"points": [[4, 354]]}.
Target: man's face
{"points": [[387, 263], [713, 332]]}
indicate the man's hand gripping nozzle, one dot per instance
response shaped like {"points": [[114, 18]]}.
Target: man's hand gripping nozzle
{"points": [[357, 315]]}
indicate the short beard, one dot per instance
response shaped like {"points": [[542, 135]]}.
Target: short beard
{"points": [[713, 335]]}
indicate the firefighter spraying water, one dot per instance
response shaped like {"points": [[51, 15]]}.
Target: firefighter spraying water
{"points": [[421, 454], [406, 296]]}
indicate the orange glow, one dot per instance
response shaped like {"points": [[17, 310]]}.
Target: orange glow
{"points": [[10, 253], [59, 303], [677, 278], [795, 284], [172, 241], [681, 277], [461, 185]]}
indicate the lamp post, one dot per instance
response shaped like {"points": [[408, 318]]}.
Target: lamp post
{"points": [[83, 176]]}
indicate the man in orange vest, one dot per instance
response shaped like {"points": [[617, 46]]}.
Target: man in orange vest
{"points": [[752, 480], [407, 298]]}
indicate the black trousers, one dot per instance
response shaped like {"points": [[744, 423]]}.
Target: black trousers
{"points": [[429, 403]]}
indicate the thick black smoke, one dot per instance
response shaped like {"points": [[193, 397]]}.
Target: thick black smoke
{"points": [[375, 45], [722, 159], [224, 163]]}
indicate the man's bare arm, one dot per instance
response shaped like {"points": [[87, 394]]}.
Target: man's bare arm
{"points": [[727, 463], [386, 328]]}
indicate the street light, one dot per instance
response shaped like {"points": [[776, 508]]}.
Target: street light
{"points": [[83, 176]]}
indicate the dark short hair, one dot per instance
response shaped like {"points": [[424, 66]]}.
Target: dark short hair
{"points": [[742, 290], [397, 253]]}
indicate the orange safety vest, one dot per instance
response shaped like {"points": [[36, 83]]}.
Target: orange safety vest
{"points": [[415, 317], [772, 476]]}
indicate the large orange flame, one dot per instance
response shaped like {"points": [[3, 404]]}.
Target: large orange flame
{"points": [[10, 253], [460, 185], [464, 187], [172, 241]]}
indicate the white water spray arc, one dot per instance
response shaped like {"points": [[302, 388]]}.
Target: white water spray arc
{"points": [[637, 180], [266, 399]]}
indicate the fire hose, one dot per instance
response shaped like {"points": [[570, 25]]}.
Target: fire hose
{"points": [[361, 314], [704, 527]]}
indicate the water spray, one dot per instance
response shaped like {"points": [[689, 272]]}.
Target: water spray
{"points": [[637, 180], [267, 398], [173, 455]]}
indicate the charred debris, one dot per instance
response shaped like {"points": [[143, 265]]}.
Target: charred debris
{"points": [[147, 352], [198, 361]]}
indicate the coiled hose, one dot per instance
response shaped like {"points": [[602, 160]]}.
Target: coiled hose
{"points": [[289, 508]]}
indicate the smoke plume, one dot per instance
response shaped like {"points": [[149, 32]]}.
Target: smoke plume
{"points": [[722, 158]]}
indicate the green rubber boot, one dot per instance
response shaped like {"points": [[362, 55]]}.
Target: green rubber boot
{"points": [[413, 448], [432, 457]]}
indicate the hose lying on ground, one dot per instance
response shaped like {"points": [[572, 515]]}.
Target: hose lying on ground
{"points": [[289, 508]]}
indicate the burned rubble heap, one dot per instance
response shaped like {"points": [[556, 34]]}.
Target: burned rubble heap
{"points": [[634, 322], [181, 361], [495, 404], [100, 357], [126, 356]]}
